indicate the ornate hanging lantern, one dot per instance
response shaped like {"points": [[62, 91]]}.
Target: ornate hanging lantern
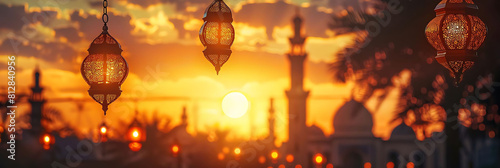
{"points": [[104, 69], [456, 33], [217, 33]]}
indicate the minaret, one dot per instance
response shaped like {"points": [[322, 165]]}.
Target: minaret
{"points": [[271, 119], [184, 117], [37, 101], [297, 96]]}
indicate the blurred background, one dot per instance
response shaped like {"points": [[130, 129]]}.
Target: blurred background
{"points": [[367, 99]]}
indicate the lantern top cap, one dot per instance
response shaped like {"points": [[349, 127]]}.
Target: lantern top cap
{"points": [[456, 6], [218, 11], [105, 44]]}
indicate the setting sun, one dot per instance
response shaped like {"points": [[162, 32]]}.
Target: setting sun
{"points": [[234, 104]]}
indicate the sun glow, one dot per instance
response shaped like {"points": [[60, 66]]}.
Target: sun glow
{"points": [[234, 104]]}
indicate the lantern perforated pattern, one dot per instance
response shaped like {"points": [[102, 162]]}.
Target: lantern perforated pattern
{"points": [[104, 69], [217, 33], [456, 35]]}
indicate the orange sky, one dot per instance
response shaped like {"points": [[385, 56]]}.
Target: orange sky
{"points": [[165, 59]]}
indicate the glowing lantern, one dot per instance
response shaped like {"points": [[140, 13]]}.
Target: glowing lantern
{"points": [[217, 33], [103, 132], [104, 69], [47, 140], [175, 150], [136, 135], [274, 156], [456, 33], [237, 151], [318, 159], [289, 158]]}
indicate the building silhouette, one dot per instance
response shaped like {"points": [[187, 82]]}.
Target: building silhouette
{"points": [[296, 95], [353, 144], [37, 102]]}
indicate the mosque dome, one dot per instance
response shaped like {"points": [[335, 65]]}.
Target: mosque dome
{"points": [[403, 131], [353, 118]]}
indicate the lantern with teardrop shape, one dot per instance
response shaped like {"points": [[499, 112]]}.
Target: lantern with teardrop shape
{"points": [[104, 69], [217, 33], [456, 33]]}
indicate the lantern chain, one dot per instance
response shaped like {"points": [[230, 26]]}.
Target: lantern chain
{"points": [[105, 17]]}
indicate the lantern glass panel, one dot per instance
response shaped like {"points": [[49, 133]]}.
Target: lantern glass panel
{"points": [[455, 31], [478, 33], [211, 33], [227, 34], [93, 69], [432, 32]]}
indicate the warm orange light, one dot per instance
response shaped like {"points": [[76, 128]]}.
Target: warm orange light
{"points": [[390, 165], [281, 166], [262, 159], [135, 146], [135, 134], [491, 134], [104, 130], [225, 150], [410, 165], [289, 158], [367, 165], [237, 151], [274, 155], [318, 158], [46, 139], [298, 166], [329, 165], [175, 149], [220, 156]]}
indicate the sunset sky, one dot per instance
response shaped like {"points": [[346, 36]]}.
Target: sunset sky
{"points": [[167, 66]]}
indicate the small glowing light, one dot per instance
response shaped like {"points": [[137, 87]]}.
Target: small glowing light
{"points": [[225, 150], [262, 159], [135, 134], [390, 165], [298, 166], [237, 151], [220, 156], [103, 130], [46, 139], [491, 134], [329, 165], [410, 165], [368, 165], [318, 158], [175, 149], [289, 158], [274, 155], [281, 166]]}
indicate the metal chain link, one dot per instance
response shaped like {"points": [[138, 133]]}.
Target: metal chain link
{"points": [[105, 17]]}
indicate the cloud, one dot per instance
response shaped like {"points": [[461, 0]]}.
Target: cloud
{"points": [[91, 26], [50, 51], [280, 14], [69, 33], [11, 17]]}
